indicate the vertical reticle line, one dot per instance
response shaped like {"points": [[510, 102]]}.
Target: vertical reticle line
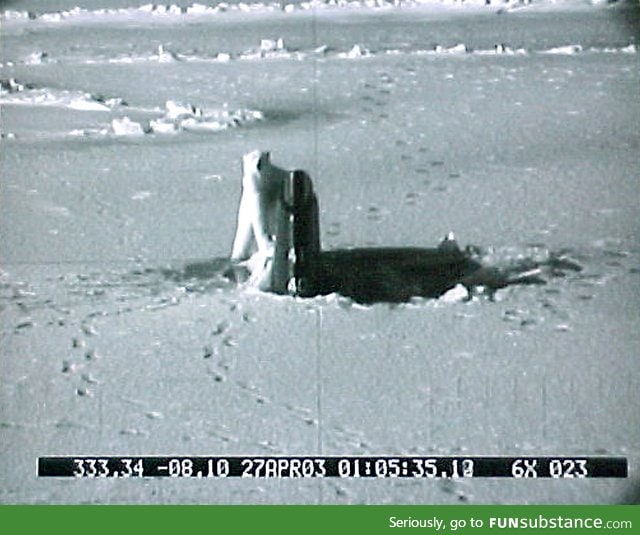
{"points": [[314, 104], [319, 388]]}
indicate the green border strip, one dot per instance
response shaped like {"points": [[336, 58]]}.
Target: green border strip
{"points": [[302, 519]]}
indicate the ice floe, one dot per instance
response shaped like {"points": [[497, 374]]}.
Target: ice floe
{"points": [[177, 13], [270, 48], [175, 116], [179, 116], [16, 93]]}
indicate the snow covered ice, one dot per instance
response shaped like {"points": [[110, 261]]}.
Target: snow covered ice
{"points": [[124, 332]]}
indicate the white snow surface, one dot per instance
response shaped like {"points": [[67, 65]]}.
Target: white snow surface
{"points": [[122, 129]]}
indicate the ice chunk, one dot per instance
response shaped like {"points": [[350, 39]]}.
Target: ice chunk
{"points": [[165, 56], [457, 294], [126, 127], [175, 110], [564, 50], [86, 103], [460, 48], [270, 45], [162, 126], [356, 52], [36, 58]]}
